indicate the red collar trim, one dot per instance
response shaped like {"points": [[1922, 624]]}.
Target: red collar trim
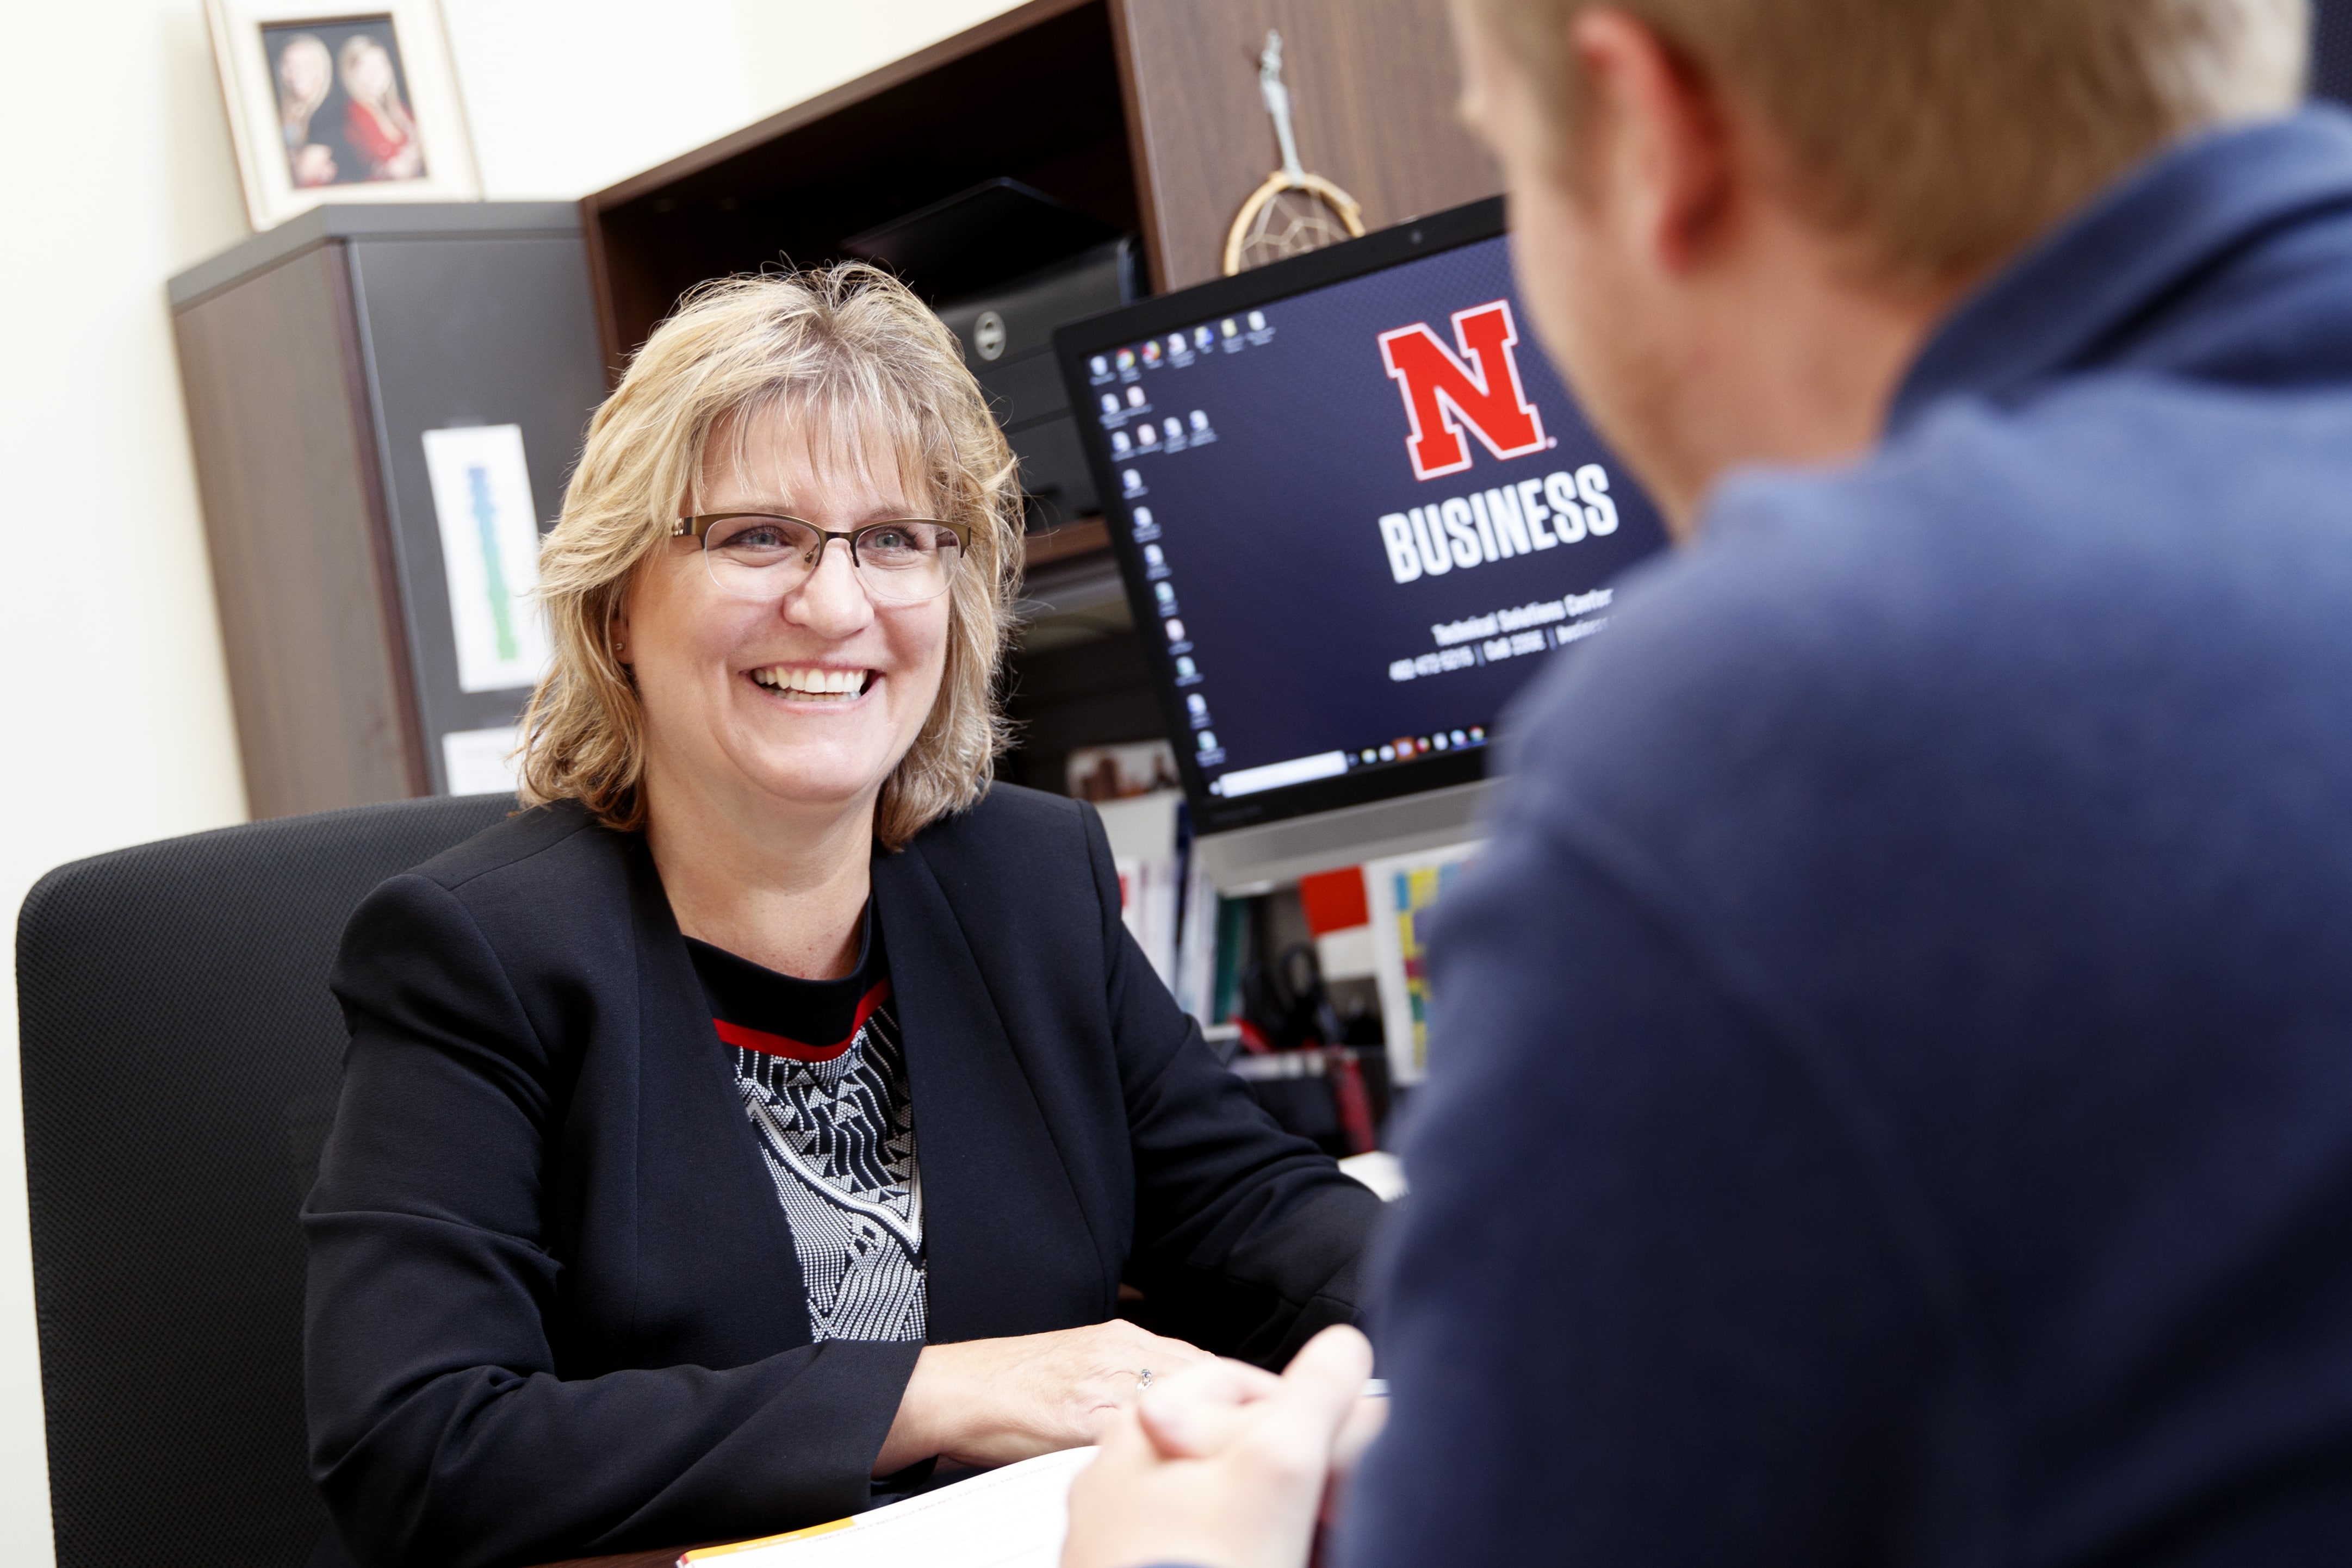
{"points": [[777, 1045]]}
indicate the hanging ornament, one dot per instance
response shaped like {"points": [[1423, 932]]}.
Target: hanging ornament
{"points": [[1294, 212]]}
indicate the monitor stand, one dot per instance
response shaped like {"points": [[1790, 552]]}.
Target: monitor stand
{"points": [[1243, 861]]}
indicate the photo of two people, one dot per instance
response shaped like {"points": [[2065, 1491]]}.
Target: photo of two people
{"points": [[343, 102]]}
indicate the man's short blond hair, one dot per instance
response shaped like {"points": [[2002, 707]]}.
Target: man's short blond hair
{"points": [[1945, 134], [853, 362]]}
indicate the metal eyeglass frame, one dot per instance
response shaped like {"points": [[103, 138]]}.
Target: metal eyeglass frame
{"points": [[699, 528]]}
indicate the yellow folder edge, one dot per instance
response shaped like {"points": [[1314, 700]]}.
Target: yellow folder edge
{"points": [[705, 1553]]}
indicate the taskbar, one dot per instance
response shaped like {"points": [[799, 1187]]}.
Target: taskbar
{"points": [[1389, 753]]}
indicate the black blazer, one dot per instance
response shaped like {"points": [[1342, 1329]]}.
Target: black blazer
{"points": [[554, 1307]]}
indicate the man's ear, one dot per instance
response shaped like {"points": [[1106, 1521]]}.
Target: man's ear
{"points": [[1659, 145]]}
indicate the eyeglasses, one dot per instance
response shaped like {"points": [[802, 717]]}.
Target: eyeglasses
{"points": [[765, 555]]}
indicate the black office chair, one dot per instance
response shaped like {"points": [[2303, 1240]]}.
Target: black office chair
{"points": [[181, 1056]]}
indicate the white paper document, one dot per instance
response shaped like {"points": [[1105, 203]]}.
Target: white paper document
{"points": [[490, 554], [482, 761], [1012, 1518]]}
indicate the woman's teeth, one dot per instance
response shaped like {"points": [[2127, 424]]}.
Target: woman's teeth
{"points": [[823, 685]]}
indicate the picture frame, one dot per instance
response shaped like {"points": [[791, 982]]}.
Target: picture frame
{"points": [[351, 104]]}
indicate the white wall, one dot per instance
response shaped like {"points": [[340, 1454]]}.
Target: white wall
{"points": [[119, 724], [119, 729], [794, 50], [568, 96]]}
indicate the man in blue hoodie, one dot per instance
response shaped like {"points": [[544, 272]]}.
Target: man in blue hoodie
{"points": [[1891, 1080]]}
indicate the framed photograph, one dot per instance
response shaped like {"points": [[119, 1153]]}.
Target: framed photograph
{"points": [[356, 106]]}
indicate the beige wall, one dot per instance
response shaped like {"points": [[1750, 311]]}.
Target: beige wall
{"points": [[115, 155]]}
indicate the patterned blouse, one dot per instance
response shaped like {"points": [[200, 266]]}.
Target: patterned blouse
{"points": [[821, 1072]]}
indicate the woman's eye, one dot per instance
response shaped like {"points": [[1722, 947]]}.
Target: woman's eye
{"points": [[758, 537]]}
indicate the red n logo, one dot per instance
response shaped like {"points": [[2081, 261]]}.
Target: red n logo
{"points": [[1442, 394]]}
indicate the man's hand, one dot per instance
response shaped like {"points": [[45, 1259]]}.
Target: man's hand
{"points": [[1226, 1465]]}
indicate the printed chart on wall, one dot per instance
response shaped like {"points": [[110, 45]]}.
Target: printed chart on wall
{"points": [[482, 761], [490, 554]]}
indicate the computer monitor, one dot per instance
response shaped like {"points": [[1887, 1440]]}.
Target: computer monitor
{"points": [[1354, 508]]}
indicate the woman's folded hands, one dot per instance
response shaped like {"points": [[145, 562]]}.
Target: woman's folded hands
{"points": [[993, 1401]]}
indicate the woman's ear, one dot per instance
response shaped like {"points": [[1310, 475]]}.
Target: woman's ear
{"points": [[616, 632]]}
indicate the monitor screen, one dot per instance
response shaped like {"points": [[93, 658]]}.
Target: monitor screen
{"points": [[1355, 509]]}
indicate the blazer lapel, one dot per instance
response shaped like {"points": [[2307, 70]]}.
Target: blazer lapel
{"points": [[1009, 1247], [719, 1284]]}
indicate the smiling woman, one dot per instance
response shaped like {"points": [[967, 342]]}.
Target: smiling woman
{"points": [[776, 1107], [757, 391]]}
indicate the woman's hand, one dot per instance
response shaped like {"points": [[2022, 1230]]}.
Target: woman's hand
{"points": [[1229, 1466], [992, 1401]]}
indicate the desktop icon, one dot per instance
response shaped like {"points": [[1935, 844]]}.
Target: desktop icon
{"points": [[1175, 631], [1119, 444], [1204, 337], [1175, 343], [1154, 556], [1228, 328], [1145, 435], [1388, 754], [1477, 735], [1257, 320], [1135, 397], [1175, 428], [1208, 740], [1163, 592], [1131, 480], [1460, 739], [1199, 418], [1197, 704], [1127, 359], [1186, 668], [1100, 366], [1110, 402], [1152, 352], [1142, 517], [1441, 742]]}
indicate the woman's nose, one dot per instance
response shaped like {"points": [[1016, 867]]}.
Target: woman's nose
{"points": [[832, 602]]}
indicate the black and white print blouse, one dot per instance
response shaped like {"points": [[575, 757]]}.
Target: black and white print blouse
{"points": [[822, 1076]]}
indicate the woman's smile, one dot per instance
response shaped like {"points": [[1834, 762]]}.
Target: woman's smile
{"points": [[820, 685]]}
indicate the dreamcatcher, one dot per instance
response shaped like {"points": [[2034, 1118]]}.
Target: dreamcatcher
{"points": [[1294, 212]]}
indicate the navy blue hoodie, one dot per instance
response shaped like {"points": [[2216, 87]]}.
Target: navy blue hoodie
{"points": [[1892, 1076]]}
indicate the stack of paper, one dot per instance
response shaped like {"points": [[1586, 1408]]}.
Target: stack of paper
{"points": [[1012, 1518]]}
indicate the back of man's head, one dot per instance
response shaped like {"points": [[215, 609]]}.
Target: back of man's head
{"points": [[1944, 134]]}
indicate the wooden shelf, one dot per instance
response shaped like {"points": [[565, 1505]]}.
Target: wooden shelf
{"points": [[1084, 537], [1033, 94], [1141, 113]]}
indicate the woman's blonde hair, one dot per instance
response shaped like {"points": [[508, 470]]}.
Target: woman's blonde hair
{"points": [[847, 354]]}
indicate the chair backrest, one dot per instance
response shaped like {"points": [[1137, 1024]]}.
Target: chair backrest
{"points": [[181, 1056]]}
